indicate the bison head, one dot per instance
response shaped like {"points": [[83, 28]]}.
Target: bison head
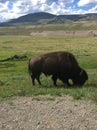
{"points": [[80, 78]]}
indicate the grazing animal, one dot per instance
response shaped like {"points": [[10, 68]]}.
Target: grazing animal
{"points": [[61, 65]]}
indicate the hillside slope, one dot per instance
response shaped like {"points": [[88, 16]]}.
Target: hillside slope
{"points": [[42, 18]]}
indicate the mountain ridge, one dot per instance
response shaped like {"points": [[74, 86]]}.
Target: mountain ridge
{"points": [[47, 18]]}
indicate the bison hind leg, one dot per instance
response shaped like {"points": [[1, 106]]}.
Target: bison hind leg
{"points": [[33, 79], [38, 79], [35, 76]]}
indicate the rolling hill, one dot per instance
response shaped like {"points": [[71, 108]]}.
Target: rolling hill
{"points": [[42, 18]]}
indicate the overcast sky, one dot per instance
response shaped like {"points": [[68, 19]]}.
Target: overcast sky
{"points": [[10, 9]]}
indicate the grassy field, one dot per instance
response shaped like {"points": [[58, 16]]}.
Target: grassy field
{"points": [[28, 29], [14, 77]]}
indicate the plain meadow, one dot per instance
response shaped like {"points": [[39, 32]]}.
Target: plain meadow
{"points": [[14, 76]]}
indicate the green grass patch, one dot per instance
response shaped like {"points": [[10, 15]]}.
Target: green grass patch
{"points": [[14, 77]]}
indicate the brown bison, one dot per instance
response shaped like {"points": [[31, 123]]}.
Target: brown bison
{"points": [[61, 65]]}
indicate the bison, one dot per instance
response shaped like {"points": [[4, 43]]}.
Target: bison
{"points": [[60, 65]]}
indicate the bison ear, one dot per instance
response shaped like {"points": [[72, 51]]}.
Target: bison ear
{"points": [[81, 72]]}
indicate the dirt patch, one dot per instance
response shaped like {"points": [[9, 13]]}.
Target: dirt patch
{"points": [[47, 113], [65, 33]]}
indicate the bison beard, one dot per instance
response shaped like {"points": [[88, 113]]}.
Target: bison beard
{"points": [[61, 65]]}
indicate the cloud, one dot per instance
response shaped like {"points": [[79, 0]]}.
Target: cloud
{"points": [[86, 2], [10, 9], [64, 2], [93, 10]]}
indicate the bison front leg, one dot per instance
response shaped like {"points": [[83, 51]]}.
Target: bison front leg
{"points": [[65, 80], [54, 78], [67, 83]]}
